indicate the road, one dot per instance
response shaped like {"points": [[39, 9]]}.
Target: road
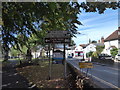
{"points": [[104, 75]]}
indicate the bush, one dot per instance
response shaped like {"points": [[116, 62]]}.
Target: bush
{"points": [[99, 49], [95, 54], [89, 54], [114, 52]]}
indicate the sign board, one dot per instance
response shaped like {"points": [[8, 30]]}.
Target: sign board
{"points": [[57, 40], [58, 37], [58, 34], [85, 65]]}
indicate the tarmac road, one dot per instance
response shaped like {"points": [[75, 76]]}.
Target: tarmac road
{"points": [[104, 75]]}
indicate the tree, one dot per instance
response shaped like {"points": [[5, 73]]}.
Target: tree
{"points": [[89, 54], [14, 52], [94, 41], [99, 49], [31, 44], [72, 43], [21, 18], [95, 55], [114, 52]]}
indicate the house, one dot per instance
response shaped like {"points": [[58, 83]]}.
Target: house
{"points": [[70, 51], [112, 41], [91, 48], [75, 52], [78, 52], [39, 52]]}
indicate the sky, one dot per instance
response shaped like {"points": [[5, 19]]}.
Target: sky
{"points": [[96, 25]]}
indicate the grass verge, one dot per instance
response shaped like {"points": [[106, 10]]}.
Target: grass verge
{"points": [[38, 75]]}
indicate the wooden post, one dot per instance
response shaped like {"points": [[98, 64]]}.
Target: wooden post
{"points": [[87, 72], [49, 64], [53, 51], [64, 64]]}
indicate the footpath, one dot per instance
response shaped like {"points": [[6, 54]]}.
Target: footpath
{"points": [[10, 77]]}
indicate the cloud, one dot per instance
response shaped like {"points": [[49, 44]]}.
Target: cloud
{"points": [[96, 25]]}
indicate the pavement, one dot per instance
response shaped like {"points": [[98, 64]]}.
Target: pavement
{"points": [[10, 77], [104, 75]]}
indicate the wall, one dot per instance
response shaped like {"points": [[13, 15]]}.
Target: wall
{"points": [[89, 48]]}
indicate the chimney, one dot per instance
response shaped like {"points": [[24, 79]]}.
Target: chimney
{"points": [[89, 41], [118, 28], [102, 39], [98, 41]]}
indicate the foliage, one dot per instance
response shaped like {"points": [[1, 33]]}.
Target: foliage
{"points": [[99, 49], [94, 41], [72, 43], [20, 18], [114, 51], [89, 54], [95, 54], [14, 52], [99, 6]]}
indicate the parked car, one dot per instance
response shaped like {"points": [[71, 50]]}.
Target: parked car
{"points": [[117, 57], [70, 56], [105, 56]]}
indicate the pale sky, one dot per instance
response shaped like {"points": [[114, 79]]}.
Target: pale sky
{"points": [[96, 25]]}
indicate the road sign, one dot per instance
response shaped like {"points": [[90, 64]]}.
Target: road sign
{"points": [[58, 37], [57, 40], [58, 34], [85, 65]]}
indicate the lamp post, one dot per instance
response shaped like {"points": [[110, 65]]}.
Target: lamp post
{"points": [[119, 43]]}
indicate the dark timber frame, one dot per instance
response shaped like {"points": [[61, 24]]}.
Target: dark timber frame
{"points": [[55, 37]]}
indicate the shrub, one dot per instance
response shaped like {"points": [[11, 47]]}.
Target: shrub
{"points": [[95, 54], [114, 52], [89, 54]]}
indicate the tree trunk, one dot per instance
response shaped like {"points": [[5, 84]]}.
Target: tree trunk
{"points": [[47, 53], [29, 55], [5, 56], [35, 55], [5, 52], [41, 52]]}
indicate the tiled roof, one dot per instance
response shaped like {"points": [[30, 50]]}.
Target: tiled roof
{"points": [[113, 47], [113, 36], [83, 45]]}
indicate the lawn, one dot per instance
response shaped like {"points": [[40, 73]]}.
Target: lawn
{"points": [[38, 75]]}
